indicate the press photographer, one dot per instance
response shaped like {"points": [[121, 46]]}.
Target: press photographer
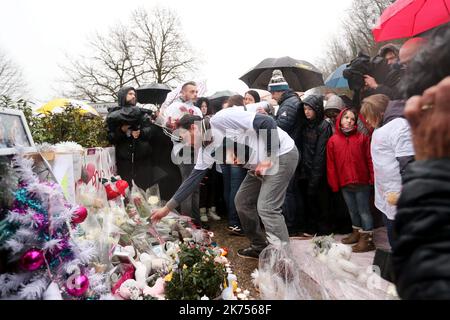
{"points": [[132, 131]]}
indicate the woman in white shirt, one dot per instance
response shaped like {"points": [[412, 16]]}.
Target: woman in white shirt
{"points": [[391, 149]]}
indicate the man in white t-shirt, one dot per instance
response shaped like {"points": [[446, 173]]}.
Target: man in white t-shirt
{"points": [[182, 155], [272, 162]]}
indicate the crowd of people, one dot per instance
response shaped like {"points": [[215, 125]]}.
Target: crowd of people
{"points": [[324, 165]]}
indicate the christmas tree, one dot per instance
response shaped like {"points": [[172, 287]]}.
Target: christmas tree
{"points": [[43, 259]]}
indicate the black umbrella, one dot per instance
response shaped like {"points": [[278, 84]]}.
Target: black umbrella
{"points": [[154, 93], [218, 98], [300, 75]]}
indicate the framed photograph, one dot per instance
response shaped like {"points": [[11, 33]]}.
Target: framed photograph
{"points": [[14, 132]]}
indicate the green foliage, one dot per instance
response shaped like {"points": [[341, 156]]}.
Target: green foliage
{"points": [[69, 125], [197, 275]]}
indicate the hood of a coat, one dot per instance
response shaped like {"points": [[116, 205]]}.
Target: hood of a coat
{"points": [[394, 110], [122, 96], [316, 103], [338, 124]]}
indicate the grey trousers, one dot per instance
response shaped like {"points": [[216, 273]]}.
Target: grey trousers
{"points": [[190, 206], [263, 198]]}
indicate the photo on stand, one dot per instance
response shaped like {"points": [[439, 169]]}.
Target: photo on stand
{"points": [[14, 132]]}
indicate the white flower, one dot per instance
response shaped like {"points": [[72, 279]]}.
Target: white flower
{"points": [[221, 260]]}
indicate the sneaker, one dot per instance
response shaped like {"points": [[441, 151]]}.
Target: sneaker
{"points": [[213, 215], [236, 230], [203, 216], [248, 253]]}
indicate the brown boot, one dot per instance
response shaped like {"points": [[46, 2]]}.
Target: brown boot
{"points": [[365, 242], [353, 237]]}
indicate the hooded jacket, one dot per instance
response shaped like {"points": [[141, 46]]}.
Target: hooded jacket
{"points": [[421, 256], [122, 96], [134, 156], [394, 110], [290, 114], [314, 138], [348, 158]]}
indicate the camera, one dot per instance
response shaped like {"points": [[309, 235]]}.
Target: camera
{"points": [[375, 67]]}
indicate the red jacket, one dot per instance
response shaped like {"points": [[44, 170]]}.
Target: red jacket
{"points": [[348, 158]]}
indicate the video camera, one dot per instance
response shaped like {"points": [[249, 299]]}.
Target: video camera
{"points": [[375, 67], [135, 117]]}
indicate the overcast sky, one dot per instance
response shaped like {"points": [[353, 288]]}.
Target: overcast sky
{"points": [[231, 36]]}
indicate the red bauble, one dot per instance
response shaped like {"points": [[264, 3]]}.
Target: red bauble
{"points": [[77, 285], [79, 215], [32, 260]]}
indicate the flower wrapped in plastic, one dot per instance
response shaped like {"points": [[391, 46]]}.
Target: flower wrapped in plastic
{"points": [[137, 198]]}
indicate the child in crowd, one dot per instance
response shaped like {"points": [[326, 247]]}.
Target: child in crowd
{"points": [[349, 168], [316, 217]]}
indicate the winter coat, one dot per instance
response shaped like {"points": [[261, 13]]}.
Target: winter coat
{"points": [[314, 138], [134, 156], [389, 87], [421, 256], [348, 158], [290, 114]]}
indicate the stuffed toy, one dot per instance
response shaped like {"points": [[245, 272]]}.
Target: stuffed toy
{"points": [[115, 187]]}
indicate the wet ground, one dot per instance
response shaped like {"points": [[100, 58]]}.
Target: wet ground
{"points": [[240, 266]]}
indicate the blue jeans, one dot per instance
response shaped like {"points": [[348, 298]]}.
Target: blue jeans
{"points": [[232, 179], [357, 200], [390, 230]]}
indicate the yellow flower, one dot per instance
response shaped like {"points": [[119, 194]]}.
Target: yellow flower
{"points": [[168, 278], [185, 267]]}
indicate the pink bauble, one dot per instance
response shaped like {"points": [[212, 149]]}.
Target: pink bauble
{"points": [[79, 215], [32, 260], [77, 285]]}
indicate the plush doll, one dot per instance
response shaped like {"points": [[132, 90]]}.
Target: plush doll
{"points": [[115, 187], [129, 290], [338, 260], [157, 291]]}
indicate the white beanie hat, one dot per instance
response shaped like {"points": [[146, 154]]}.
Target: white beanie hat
{"points": [[277, 82]]}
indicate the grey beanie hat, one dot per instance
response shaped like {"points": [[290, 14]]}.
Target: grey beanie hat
{"points": [[334, 102]]}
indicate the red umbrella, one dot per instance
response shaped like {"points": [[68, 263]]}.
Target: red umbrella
{"points": [[407, 18]]}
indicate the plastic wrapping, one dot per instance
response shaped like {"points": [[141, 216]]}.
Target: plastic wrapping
{"points": [[137, 198], [330, 271], [279, 275]]}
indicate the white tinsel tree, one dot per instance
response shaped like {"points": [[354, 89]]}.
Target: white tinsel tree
{"points": [[36, 234]]}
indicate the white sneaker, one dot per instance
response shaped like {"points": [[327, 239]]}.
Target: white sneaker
{"points": [[213, 215], [203, 216]]}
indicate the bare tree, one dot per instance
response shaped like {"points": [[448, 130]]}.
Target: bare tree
{"points": [[116, 61], [148, 49], [356, 34], [12, 82], [160, 38]]}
